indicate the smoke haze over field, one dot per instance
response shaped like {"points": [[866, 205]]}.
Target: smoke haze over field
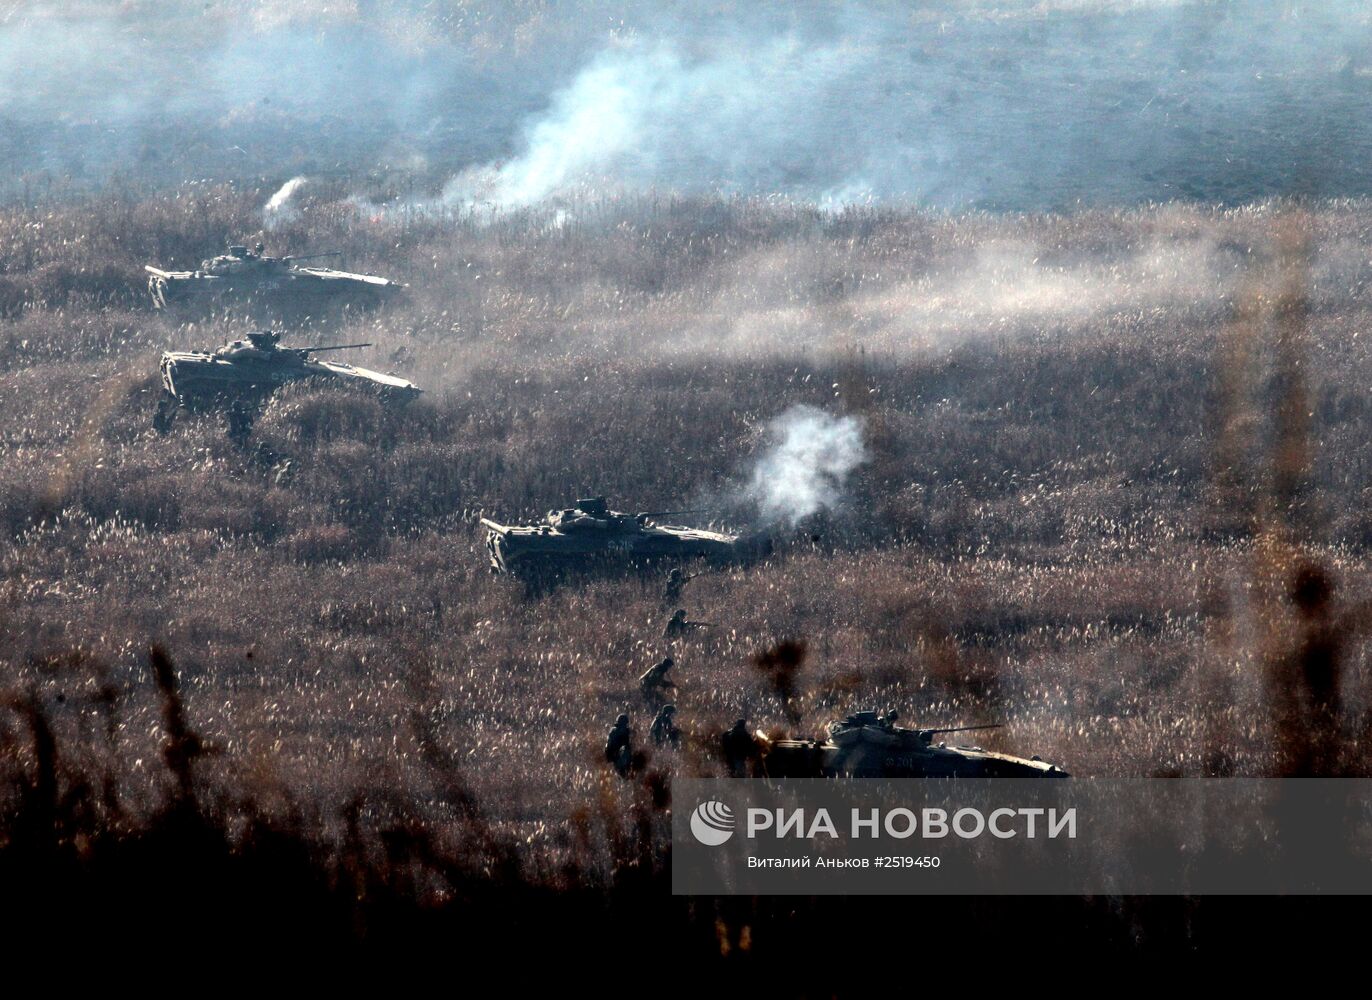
{"points": [[950, 104]]}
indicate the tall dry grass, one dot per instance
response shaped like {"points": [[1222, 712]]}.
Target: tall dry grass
{"points": [[1115, 499]]}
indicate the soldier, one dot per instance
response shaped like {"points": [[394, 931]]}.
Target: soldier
{"points": [[679, 624], [264, 340], [166, 414], [240, 422], [888, 721], [619, 749], [676, 580], [665, 731], [740, 749], [266, 456], [654, 680]]}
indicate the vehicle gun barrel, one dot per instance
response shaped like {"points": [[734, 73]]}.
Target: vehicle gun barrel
{"points": [[962, 729], [671, 513], [313, 256], [333, 347]]}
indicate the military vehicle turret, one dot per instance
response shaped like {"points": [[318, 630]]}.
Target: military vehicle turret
{"points": [[868, 745], [591, 533], [246, 276], [254, 367]]}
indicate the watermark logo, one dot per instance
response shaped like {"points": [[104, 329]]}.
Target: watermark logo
{"points": [[712, 823]]}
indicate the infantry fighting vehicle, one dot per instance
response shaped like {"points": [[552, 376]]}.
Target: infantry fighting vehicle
{"points": [[591, 533], [248, 275], [254, 367], [867, 745]]}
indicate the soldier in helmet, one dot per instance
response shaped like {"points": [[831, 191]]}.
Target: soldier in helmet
{"points": [[676, 580], [239, 419], [166, 414], [619, 749], [888, 721], [654, 681], [740, 749], [665, 731], [264, 340], [266, 456], [679, 625]]}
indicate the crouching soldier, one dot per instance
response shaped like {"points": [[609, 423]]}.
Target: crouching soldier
{"points": [[654, 681], [679, 625], [665, 731]]}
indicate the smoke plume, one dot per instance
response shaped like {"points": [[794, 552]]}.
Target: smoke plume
{"points": [[279, 209], [1024, 106], [643, 114], [807, 466]]}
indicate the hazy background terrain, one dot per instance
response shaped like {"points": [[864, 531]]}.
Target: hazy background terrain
{"points": [[1004, 105]]}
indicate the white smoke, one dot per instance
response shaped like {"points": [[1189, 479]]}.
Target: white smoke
{"points": [[641, 115], [807, 467], [279, 209]]}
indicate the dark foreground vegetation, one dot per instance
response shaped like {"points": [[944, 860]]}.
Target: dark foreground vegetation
{"points": [[210, 870], [1115, 496]]}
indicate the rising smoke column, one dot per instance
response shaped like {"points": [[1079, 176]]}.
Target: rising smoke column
{"points": [[279, 209], [957, 103], [807, 466], [642, 114]]}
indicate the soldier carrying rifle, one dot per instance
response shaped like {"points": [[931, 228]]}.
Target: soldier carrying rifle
{"points": [[680, 625]]}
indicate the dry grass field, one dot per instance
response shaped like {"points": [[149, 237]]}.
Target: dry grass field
{"points": [[1114, 496]]}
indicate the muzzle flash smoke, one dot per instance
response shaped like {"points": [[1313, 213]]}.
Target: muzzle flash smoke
{"points": [[807, 467]]}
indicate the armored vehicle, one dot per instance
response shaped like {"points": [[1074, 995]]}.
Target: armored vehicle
{"points": [[868, 745], [246, 275], [254, 367], [591, 533]]}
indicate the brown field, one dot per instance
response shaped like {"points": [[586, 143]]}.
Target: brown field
{"points": [[1103, 448]]}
